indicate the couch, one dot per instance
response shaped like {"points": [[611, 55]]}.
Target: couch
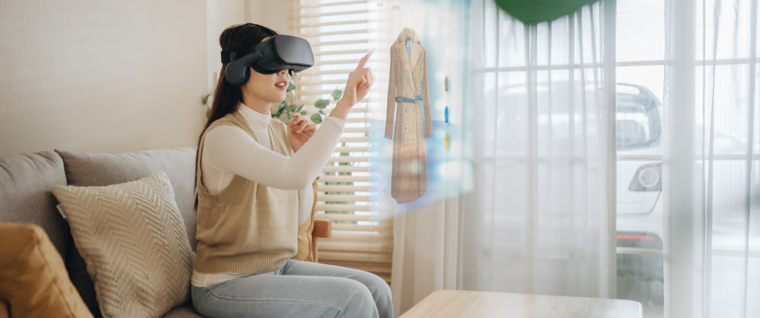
{"points": [[27, 180]]}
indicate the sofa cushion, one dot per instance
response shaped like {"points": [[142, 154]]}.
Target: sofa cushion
{"points": [[26, 184], [33, 278], [134, 242], [100, 169]]}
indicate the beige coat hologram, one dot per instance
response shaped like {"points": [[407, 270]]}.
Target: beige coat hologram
{"points": [[408, 81]]}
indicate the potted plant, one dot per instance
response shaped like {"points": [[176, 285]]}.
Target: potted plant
{"points": [[286, 108], [289, 107]]}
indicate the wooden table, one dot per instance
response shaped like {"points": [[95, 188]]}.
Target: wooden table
{"points": [[459, 303]]}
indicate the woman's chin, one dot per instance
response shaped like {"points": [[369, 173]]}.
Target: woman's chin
{"points": [[279, 98]]}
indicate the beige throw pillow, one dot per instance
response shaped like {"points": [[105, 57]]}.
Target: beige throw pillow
{"points": [[133, 239]]}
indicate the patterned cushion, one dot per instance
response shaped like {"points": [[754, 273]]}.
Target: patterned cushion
{"points": [[102, 169], [133, 240]]}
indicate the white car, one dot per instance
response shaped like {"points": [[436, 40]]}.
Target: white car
{"points": [[639, 165], [640, 271]]}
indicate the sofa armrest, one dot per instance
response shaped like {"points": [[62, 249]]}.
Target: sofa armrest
{"points": [[322, 228]]}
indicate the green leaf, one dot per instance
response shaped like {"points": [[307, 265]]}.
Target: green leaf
{"points": [[322, 112], [321, 103], [303, 112], [291, 86], [316, 119], [291, 108], [289, 117], [299, 108], [337, 94]]}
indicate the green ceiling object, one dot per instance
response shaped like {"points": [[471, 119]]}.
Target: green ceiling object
{"points": [[537, 11]]}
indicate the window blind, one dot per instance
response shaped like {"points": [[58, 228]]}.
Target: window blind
{"points": [[340, 33]]}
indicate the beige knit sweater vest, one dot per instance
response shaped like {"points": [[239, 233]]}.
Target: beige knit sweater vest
{"points": [[248, 227]]}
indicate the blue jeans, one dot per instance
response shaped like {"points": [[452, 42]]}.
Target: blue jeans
{"points": [[299, 289]]}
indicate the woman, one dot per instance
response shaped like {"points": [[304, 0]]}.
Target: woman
{"points": [[254, 177]]}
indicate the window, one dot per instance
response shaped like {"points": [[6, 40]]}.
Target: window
{"points": [[640, 75], [706, 45], [340, 33]]}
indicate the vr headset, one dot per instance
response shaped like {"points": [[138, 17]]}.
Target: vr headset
{"points": [[279, 52]]}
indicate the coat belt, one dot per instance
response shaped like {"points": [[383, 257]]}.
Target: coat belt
{"points": [[402, 99]]}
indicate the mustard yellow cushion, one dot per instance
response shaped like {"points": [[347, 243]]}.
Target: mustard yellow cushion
{"points": [[33, 279], [133, 240]]}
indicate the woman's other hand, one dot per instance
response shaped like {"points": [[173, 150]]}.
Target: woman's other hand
{"points": [[359, 82], [300, 129]]}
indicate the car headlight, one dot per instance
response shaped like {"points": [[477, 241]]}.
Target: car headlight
{"points": [[647, 178]]}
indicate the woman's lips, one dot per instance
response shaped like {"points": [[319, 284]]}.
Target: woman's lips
{"points": [[282, 84]]}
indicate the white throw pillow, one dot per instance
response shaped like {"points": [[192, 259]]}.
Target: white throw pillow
{"points": [[133, 239]]}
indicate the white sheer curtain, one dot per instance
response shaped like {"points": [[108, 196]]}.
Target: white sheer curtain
{"points": [[425, 243], [541, 217], [711, 162]]}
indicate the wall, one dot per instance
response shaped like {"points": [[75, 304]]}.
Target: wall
{"points": [[101, 76], [220, 15], [113, 76], [275, 15]]}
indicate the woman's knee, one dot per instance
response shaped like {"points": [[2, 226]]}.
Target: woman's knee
{"points": [[381, 293], [361, 302], [378, 286]]}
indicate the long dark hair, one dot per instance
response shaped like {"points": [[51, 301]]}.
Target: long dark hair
{"points": [[227, 97]]}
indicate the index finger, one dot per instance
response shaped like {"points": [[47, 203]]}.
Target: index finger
{"points": [[365, 58], [293, 121]]}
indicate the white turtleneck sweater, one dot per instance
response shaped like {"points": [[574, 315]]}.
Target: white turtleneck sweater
{"points": [[230, 151]]}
